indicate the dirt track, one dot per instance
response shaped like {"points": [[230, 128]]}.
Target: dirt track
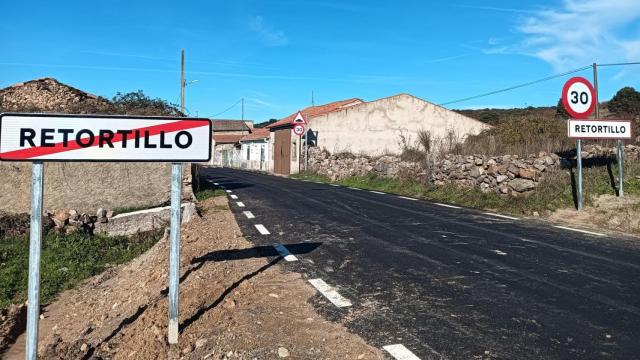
{"points": [[236, 303]]}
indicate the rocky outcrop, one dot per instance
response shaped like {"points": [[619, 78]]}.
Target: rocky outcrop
{"points": [[508, 174]]}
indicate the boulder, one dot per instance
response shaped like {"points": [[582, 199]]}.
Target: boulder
{"points": [[522, 185], [527, 174]]}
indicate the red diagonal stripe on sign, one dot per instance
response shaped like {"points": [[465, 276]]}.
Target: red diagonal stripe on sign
{"points": [[37, 151]]}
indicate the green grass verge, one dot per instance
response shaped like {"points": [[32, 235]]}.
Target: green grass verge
{"points": [[66, 260], [553, 192], [204, 194]]}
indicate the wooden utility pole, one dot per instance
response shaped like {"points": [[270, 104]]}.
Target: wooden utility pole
{"points": [[595, 86], [182, 84]]}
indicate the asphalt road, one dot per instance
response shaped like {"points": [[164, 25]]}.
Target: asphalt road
{"points": [[448, 282]]}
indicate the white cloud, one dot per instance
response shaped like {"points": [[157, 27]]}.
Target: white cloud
{"points": [[267, 34], [580, 33]]}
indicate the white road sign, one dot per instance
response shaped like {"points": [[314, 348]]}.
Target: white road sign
{"points": [[578, 97], [599, 129], [49, 137], [299, 119], [298, 129]]}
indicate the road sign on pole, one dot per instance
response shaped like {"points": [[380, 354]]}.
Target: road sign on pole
{"points": [[50, 137], [298, 129], [599, 129], [300, 119], [578, 98]]}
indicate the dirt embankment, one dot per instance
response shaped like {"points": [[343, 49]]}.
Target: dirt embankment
{"points": [[236, 302], [608, 212]]}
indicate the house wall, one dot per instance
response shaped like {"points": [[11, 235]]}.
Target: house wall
{"points": [[376, 127], [258, 158]]}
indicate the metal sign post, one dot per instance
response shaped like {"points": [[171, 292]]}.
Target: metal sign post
{"points": [[578, 98], [620, 157], [579, 166], [174, 251], [50, 137], [35, 239]]}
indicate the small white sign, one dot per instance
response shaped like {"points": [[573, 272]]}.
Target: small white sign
{"points": [[599, 129], [298, 129], [50, 137], [299, 119]]}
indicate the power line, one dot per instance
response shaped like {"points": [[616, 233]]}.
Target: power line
{"points": [[537, 81], [229, 108], [620, 64], [518, 86]]}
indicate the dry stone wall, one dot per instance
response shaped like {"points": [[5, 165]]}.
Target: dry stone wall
{"points": [[508, 174]]}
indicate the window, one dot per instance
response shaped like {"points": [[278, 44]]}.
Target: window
{"points": [[294, 153], [248, 152]]}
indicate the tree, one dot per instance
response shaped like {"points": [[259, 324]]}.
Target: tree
{"points": [[625, 103], [561, 112], [137, 103]]}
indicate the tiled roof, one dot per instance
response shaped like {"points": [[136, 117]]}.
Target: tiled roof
{"points": [[229, 125], [315, 111], [227, 139], [257, 134]]}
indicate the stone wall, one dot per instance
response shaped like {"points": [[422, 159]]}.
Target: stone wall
{"points": [[86, 186], [508, 174]]}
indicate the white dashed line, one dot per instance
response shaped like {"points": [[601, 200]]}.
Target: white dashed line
{"points": [[216, 184], [399, 352], [377, 192], [282, 250], [502, 216], [499, 252], [263, 230], [447, 205], [330, 293], [248, 214], [240, 203], [408, 198], [234, 197], [228, 191], [354, 188], [580, 231], [336, 185]]}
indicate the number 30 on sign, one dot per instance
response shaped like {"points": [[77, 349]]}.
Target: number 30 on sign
{"points": [[578, 97]]}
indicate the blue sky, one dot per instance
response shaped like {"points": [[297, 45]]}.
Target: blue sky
{"points": [[274, 53]]}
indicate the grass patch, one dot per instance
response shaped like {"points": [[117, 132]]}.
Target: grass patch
{"points": [[553, 192], [208, 191], [66, 260]]}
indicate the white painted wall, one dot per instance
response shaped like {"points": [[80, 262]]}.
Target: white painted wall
{"points": [[374, 128]]}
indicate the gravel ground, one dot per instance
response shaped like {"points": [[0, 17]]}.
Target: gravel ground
{"points": [[236, 302]]}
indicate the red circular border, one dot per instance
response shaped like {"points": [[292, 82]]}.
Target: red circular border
{"points": [[294, 131], [565, 98]]}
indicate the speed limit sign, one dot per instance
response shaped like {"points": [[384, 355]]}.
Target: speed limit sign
{"points": [[298, 129], [578, 97]]}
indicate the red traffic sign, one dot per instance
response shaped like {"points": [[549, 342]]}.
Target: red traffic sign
{"points": [[578, 97], [299, 119], [298, 129]]}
